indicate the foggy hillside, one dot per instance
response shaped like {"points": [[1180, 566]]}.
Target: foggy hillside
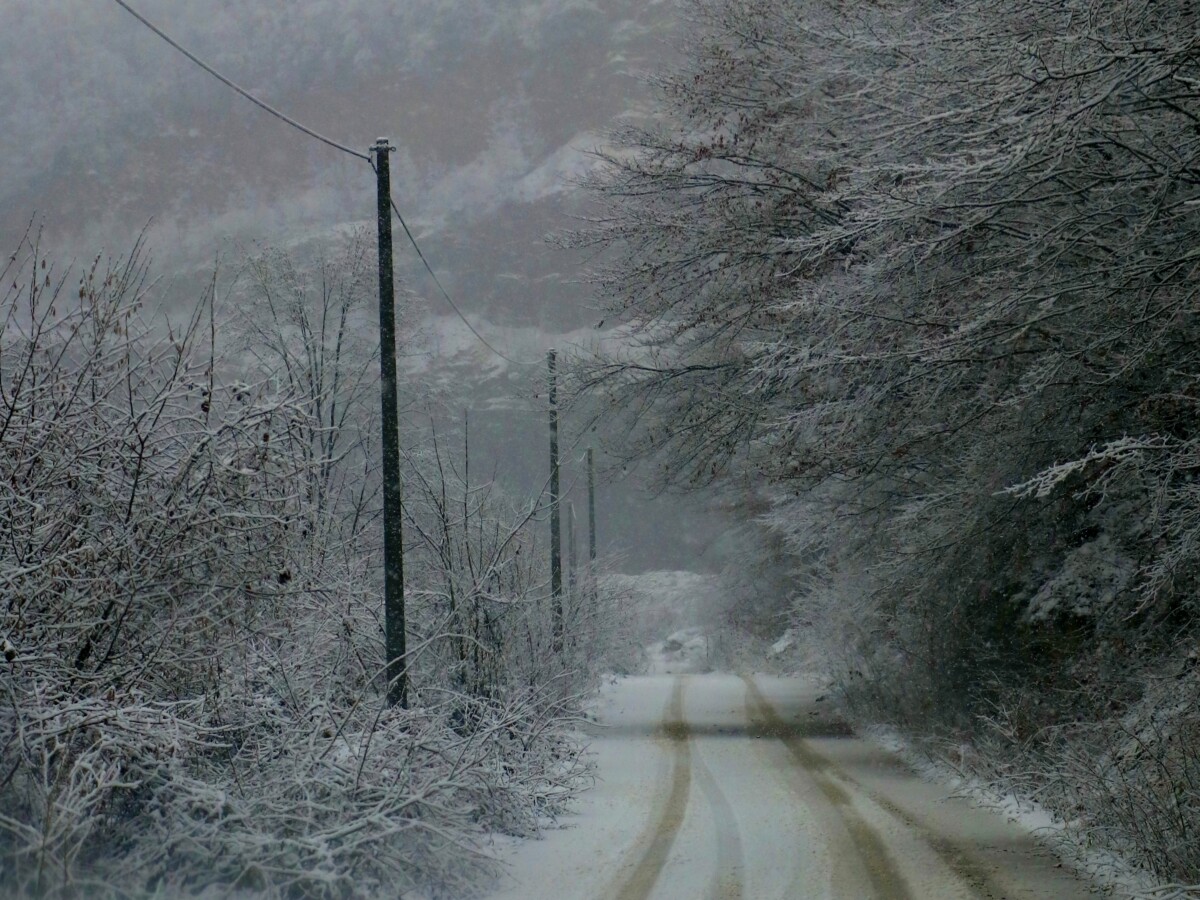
{"points": [[495, 109], [488, 104]]}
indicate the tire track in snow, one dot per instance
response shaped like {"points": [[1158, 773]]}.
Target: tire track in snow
{"points": [[645, 873], [886, 880], [731, 864], [956, 858]]}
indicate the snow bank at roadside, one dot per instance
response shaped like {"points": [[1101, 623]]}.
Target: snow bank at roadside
{"points": [[1109, 870]]}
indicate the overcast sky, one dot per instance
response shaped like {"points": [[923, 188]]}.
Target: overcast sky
{"points": [[103, 127]]}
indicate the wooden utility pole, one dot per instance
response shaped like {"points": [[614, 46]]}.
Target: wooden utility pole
{"points": [[591, 476], [395, 663], [555, 524], [591, 485], [572, 557]]}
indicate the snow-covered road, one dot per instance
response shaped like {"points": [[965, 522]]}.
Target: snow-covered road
{"points": [[715, 787]]}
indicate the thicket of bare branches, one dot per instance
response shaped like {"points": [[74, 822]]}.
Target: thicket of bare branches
{"points": [[921, 278], [190, 607]]}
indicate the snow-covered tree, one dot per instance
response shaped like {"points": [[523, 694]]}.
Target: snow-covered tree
{"points": [[924, 276]]}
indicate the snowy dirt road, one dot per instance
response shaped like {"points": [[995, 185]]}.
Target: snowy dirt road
{"points": [[715, 787]]}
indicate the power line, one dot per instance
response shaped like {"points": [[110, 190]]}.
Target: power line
{"points": [[261, 104], [245, 93], [446, 295]]}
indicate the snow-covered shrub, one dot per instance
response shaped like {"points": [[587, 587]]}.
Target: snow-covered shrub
{"points": [[1124, 772], [146, 514], [480, 572], [191, 653]]}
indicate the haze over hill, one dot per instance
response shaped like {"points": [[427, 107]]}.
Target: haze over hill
{"points": [[488, 104], [493, 108]]}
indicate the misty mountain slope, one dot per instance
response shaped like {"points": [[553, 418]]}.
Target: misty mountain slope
{"points": [[493, 108], [111, 128]]}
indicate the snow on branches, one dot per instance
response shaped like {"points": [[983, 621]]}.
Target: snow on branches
{"points": [[921, 278], [190, 697]]}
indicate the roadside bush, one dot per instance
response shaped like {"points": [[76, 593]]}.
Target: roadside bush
{"points": [[190, 698]]}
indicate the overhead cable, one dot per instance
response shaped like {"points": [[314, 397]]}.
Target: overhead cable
{"points": [[245, 93], [261, 104], [446, 295]]}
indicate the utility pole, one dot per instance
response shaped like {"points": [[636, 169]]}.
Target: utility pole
{"points": [[572, 557], [395, 663], [591, 476], [591, 484], [555, 524]]}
